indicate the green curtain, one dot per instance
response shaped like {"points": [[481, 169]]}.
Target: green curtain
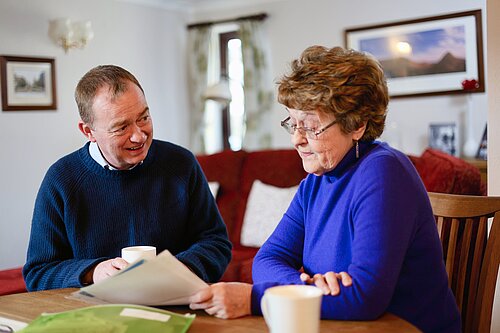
{"points": [[257, 85], [198, 46]]}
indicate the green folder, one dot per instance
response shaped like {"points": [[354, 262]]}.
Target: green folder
{"points": [[111, 318]]}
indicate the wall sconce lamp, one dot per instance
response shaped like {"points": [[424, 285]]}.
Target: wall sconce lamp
{"points": [[219, 92], [69, 34]]}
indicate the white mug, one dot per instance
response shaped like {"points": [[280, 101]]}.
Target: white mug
{"points": [[292, 308], [134, 253]]}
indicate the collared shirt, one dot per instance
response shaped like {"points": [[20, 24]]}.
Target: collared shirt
{"points": [[96, 154]]}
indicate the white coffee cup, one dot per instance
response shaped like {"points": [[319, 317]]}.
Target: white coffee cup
{"points": [[134, 253], [292, 308]]}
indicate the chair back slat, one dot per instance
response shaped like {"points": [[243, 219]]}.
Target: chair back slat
{"points": [[440, 222], [470, 256], [475, 270], [451, 247], [488, 280], [463, 261]]}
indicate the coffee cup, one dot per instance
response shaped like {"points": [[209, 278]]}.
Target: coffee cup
{"points": [[292, 308], [134, 253]]}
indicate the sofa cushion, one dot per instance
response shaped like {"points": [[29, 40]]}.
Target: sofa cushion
{"points": [[281, 168], [214, 188], [265, 208], [444, 173], [225, 169]]}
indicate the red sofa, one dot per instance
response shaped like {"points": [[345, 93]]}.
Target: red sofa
{"points": [[236, 171]]}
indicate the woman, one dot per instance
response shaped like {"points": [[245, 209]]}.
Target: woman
{"points": [[362, 210]]}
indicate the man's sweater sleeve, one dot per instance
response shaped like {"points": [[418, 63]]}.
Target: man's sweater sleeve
{"points": [[209, 252], [50, 262]]}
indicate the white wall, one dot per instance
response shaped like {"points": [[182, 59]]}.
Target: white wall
{"points": [[147, 41], [294, 24]]}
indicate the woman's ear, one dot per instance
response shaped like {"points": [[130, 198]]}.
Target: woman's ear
{"points": [[86, 130], [358, 134]]}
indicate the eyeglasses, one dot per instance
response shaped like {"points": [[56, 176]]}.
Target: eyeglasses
{"points": [[311, 133]]}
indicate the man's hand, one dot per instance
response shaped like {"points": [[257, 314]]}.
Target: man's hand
{"points": [[104, 269], [328, 282], [224, 300]]}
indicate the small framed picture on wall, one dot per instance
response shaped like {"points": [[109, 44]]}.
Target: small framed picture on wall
{"points": [[444, 137], [28, 83], [482, 150]]}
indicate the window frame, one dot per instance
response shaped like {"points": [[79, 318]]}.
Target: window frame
{"points": [[224, 38]]}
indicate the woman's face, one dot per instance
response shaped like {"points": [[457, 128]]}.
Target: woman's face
{"points": [[325, 152]]}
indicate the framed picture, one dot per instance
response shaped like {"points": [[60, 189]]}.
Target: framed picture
{"points": [[444, 137], [28, 83], [482, 150], [427, 56]]}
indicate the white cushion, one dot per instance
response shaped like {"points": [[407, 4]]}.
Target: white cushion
{"points": [[265, 207], [214, 188]]}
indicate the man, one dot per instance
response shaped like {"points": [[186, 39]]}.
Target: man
{"points": [[122, 188]]}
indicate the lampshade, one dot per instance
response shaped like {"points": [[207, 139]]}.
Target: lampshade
{"points": [[219, 92], [69, 34]]}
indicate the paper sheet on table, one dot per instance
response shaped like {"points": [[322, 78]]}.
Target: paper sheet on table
{"points": [[163, 280], [12, 324]]}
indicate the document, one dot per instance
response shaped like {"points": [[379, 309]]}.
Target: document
{"points": [[11, 325], [163, 280]]}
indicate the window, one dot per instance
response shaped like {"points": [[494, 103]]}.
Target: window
{"points": [[225, 125], [232, 66]]}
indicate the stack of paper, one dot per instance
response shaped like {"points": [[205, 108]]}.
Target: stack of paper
{"points": [[163, 280]]}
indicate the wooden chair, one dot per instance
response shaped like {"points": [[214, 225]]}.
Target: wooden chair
{"points": [[471, 257]]}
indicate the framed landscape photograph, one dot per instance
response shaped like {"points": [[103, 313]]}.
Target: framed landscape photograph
{"points": [[427, 56], [28, 83]]}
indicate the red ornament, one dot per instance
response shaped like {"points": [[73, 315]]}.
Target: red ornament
{"points": [[470, 84]]}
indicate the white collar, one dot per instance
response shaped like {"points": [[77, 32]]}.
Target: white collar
{"points": [[96, 154]]}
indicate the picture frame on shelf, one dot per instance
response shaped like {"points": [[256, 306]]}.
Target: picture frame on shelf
{"points": [[444, 137], [482, 150], [28, 83], [426, 56]]}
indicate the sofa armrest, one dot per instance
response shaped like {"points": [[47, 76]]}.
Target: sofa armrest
{"points": [[11, 281]]}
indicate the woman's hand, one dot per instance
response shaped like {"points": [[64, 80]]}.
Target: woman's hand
{"points": [[328, 282], [224, 300]]}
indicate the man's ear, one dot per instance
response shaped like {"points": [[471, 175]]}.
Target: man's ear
{"points": [[86, 130], [358, 134]]}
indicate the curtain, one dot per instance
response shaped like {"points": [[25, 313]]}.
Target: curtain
{"points": [[198, 48], [257, 85]]}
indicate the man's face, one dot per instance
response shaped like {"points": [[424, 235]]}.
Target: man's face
{"points": [[122, 126]]}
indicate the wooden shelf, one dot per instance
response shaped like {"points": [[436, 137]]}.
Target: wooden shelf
{"points": [[482, 165]]}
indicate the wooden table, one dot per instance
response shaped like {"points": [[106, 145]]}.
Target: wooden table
{"points": [[27, 306]]}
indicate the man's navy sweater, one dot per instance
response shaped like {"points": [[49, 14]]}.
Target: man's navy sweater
{"points": [[85, 214]]}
